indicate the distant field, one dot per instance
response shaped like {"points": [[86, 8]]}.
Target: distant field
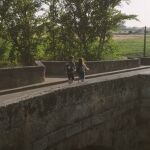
{"points": [[131, 45], [128, 36]]}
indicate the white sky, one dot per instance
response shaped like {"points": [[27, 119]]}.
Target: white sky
{"points": [[140, 8]]}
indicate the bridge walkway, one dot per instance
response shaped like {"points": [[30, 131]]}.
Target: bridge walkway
{"points": [[52, 84]]}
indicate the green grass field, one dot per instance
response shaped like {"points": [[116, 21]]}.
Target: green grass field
{"points": [[131, 45]]}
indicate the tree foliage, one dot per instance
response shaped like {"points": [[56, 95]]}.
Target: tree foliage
{"points": [[19, 25], [63, 28]]}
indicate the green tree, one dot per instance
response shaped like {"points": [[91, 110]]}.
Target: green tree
{"points": [[19, 24], [76, 19], [68, 27], [85, 21], [105, 18], [52, 28]]}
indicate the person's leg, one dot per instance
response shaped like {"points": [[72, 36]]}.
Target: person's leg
{"points": [[69, 78], [82, 76], [68, 75], [79, 76], [72, 77]]}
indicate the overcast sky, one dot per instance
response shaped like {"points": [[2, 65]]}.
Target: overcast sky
{"points": [[140, 8]]}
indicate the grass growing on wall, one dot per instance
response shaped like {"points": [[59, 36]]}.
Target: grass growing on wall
{"points": [[6, 63]]}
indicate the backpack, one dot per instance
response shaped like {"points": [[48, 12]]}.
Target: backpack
{"points": [[70, 67]]}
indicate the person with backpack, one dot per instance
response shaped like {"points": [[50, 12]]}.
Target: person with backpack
{"points": [[81, 68], [70, 69]]}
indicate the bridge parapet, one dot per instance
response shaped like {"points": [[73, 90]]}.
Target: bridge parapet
{"points": [[145, 61], [96, 113], [21, 76], [57, 68], [144, 118]]}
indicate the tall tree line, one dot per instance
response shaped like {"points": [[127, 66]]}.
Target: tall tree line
{"points": [[63, 28]]}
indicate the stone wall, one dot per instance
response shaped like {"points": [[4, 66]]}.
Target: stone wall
{"points": [[21, 76], [107, 66], [144, 121], [97, 113], [57, 68], [145, 61]]}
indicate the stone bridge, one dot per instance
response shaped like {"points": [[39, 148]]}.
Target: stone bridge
{"points": [[110, 111]]}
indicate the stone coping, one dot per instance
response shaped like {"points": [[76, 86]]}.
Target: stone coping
{"points": [[93, 60], [20, 67]]}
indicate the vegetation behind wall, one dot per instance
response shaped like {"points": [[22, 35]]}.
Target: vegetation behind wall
{"points": [[54, 29]]}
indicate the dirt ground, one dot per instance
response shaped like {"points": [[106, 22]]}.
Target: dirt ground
{"points": [[128, 36]]}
